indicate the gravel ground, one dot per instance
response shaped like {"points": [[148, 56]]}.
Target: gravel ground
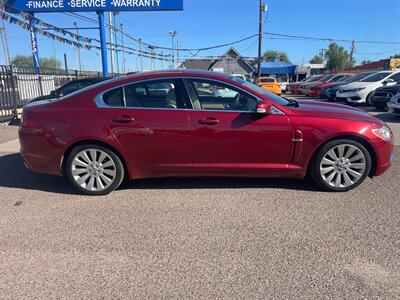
{"points": [[197, 238]]}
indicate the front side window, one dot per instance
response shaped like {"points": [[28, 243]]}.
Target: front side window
{"points": [[376, 77], [210, 95], [396, 77]]}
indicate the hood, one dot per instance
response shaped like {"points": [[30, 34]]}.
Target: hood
{"points": [[334, 111], [359, 84]]}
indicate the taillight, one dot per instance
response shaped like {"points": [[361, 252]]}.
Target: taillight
{"points": [[27, 122]]}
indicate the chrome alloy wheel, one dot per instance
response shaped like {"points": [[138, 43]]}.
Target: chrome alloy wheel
{"points": [[343, 166], [93, 169]]}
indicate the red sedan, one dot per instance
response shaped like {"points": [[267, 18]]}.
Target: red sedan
{"points": [[194, 123]]}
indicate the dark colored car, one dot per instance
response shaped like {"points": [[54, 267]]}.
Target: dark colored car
{"points": [[383, 95], [294, 87], [306, 87], [315, 90], [196, 123], [69, 87], [329, 91]]}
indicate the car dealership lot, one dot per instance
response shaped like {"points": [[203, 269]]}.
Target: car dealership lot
{"points": [[198, 238]]}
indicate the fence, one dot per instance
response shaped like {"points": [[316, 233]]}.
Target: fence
{"points": [[18, 85]]}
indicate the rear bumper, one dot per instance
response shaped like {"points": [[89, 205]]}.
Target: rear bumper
{"points": [[39, 155]]}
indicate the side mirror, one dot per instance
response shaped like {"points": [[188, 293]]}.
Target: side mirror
{"points": [[263, 108], [53, 93], [389, 80]]}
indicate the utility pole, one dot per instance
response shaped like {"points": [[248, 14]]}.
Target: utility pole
{"points": [[173, 34], [115, 40], [353, 48], [123, 49], [177, 54], [77, 48], [260, 30], [4, 39], [140, 55], [111, 23], [151, 57]]}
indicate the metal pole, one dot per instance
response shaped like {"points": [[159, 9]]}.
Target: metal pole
{"points": [[111, 42], [78, 49], [123, 50], [103, 43], [260, 42], [34, 44], [66, 64], [115, 40], [173, 33], [162, 60], [177, 54], [5, 43], [140, 55]]}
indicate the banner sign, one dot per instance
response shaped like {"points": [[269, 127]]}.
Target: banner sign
{"points": [[95, 5]]}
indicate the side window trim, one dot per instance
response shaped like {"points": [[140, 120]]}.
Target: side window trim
{"points": [[187, 82]]}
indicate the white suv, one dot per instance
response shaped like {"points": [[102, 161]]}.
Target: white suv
{"points": [[361, 91]]}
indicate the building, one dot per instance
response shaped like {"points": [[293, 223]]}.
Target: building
{"points": [[231, 62], [380, 65]]}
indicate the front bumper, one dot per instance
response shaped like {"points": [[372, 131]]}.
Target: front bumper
{"points": [[353, 97]]}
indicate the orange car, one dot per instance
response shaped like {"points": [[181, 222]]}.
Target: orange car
{"points": [[270, 84]]}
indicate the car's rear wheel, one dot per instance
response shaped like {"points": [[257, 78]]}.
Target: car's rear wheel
{"points": [[341, 165], [94, 170]]}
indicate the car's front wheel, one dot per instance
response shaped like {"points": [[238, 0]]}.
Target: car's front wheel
{"points": [[94, 170], [341, 165]]}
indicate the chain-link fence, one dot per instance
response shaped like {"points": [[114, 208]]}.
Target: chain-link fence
{"points": [[18, 85]]}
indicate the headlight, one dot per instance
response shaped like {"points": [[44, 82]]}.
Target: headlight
{"points": [[384, 133], [355, 90]]}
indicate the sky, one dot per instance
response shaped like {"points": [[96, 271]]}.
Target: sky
{"points": [[206, 23]]}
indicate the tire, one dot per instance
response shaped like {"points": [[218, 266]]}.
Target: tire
{"points": [[98, 176], [368, 100], [343, 174]]}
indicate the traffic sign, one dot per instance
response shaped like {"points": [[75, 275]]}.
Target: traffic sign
{"points": [[95, 5]]}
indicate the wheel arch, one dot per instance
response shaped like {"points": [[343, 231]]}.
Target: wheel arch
{"points": [[93, 142], [355, 138]]}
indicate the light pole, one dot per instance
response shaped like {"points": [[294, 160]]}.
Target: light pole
{"points": [[123, 49], [77, 48], [173, 34]]}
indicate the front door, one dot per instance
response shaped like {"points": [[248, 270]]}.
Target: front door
{"points": [[229, 138], [149, 121]]}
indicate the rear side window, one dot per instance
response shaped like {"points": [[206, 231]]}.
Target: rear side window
{"points": [[159, 94], [114, 98]]}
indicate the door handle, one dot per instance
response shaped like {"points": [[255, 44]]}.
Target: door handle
{"points": [[123, 119], [209, 121]]}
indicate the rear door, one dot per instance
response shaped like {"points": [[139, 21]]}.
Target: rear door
{"points": [[150, 122], [229, 138]]}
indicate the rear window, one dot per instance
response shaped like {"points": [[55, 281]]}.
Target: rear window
{"points": [[266, 80], [114, 98]]}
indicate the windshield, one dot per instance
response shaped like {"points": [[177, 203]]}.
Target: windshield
{"points": [[376, 77], [277, 99], [358, 77], [267, 80], [326, 78], [313, 79]]}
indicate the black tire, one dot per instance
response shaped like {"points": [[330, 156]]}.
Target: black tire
{"points": [[119, 170], [316, 163], [368, 100]]}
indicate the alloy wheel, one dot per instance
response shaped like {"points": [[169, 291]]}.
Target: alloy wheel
{"points": [[343, 166], [93, 170]]}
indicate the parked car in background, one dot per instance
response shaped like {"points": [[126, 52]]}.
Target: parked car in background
{"points": [[316, 90], [361, 91], [240, 76], [294, 87], [69, 88], [283, 85], [394, 105], [270, 84], [381, 96], [100, 135], [306, 87], [329, 91]]}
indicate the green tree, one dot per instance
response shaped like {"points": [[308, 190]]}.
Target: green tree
{"points": [[365, 62], [27, 62], [337, 58], [276, 55], [317, 59]]}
